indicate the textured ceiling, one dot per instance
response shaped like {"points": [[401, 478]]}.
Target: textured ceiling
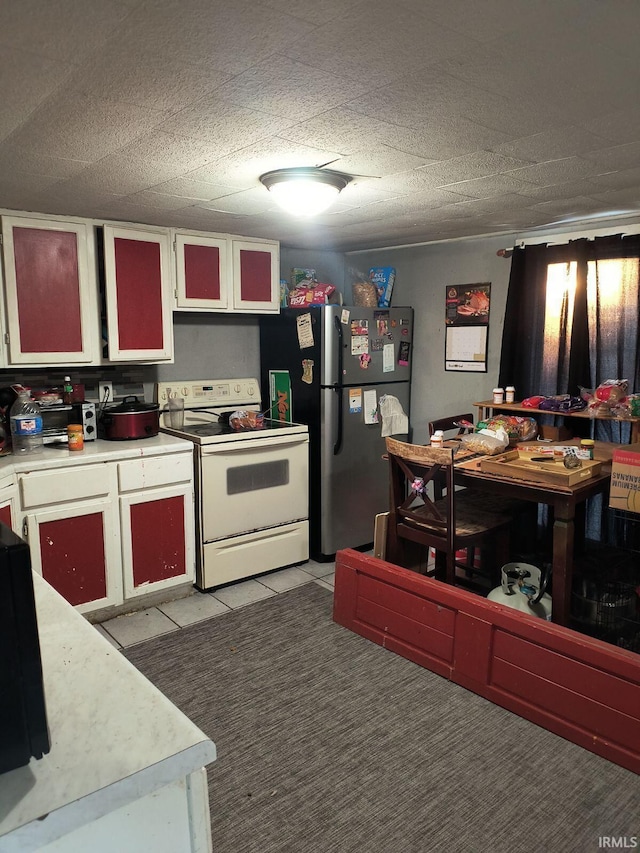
{"points": [[458, 117]]}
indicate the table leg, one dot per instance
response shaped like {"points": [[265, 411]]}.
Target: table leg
{"points": [[563, 539]]}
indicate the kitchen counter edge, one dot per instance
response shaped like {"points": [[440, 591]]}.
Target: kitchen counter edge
{"points": [[99, 450]]}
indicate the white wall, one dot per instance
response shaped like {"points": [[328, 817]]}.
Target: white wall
{"points": [[213, 346], [329, 266]]}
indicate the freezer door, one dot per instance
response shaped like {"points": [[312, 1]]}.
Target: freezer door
{"points": [[366, 345], [354, 480]]}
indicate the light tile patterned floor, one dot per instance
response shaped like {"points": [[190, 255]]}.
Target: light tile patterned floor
{"points": [[172, 615]]}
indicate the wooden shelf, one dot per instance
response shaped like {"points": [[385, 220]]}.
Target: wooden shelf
{"points": [[486, 408]]}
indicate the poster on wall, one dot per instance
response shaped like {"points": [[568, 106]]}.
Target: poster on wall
{"points": [[468, 304], [467, 327]]}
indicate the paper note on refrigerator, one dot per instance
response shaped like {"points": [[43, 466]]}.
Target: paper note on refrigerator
{"points": [[305, 331], [388, 364], [370, 406], [355, 400]]}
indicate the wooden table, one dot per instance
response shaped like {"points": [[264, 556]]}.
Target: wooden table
{"points": [[486, 409], [568, 504]]}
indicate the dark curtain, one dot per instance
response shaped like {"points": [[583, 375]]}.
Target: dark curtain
{"points": [[597, 341], [522, 360], [595, 333]]}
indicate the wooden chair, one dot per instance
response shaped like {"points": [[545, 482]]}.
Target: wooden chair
{"points": [[455, 522], [449, 424]]}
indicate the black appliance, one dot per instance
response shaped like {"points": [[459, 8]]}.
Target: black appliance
{"points": [[7, 398], [333, 360], [24, 732]]}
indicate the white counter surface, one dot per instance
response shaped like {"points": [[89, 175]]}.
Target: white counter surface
{"points": [[94, 451], [115, 738]]}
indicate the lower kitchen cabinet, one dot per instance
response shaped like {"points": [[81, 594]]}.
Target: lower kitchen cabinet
{"points": [[75, 549], [8, 501], [71, 524], [103, 533], [157, 551]]}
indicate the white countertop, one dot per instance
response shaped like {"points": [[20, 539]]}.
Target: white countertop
{"points": [[99, 450], [114, 736]]}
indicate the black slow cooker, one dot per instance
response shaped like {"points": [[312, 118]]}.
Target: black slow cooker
{"points": [[130, 419]]}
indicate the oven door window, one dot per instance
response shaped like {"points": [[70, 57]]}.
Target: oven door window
{"points": [[253, 485], [263, 475]]}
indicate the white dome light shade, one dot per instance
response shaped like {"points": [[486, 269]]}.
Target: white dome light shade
{"points": [[304, 191]]}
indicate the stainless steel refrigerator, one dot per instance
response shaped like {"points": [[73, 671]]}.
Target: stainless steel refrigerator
{"points": [[340, 362]]}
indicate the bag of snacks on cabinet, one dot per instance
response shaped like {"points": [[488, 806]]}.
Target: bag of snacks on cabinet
{"points": [[365, 294], [517, 428]]}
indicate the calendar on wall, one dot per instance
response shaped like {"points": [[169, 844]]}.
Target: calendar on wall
{"points": [[467, 327]]}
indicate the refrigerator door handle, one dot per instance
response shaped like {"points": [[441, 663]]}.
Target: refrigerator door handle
{"points": [[337, 447], [338, 325]]}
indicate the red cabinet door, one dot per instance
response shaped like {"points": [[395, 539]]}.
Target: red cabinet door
{"points": [[51, 295], [6, 513], [75, 550], [138, 295], [202, 273], [157, 538], [256, 281]]}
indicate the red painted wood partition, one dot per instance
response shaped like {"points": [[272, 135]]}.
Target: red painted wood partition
{"points": [[580, 688]]}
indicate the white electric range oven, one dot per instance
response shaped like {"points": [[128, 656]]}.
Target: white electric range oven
{"points": [[252, 486]]}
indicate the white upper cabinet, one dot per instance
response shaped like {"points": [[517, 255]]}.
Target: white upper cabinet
{"points": [[138, 294], [51, 293], [220, 273], [203, 276], [256, 277]]}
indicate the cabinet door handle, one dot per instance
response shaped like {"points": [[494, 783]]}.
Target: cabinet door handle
{"points": [[25, 529]]}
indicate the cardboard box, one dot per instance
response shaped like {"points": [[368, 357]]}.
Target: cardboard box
{"points": [[302, 277], [625, 479], [384, 279], [555, 433], [280, 396]]}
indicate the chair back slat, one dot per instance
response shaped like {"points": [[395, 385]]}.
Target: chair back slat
{"points": [[412, 464], [450, 423]]}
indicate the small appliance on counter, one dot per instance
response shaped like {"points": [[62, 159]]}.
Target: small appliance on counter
{"points": [[131, 419], [56, 417], [8, 396]]}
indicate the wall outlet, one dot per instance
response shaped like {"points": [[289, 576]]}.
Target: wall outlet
{"points": [[105, 392]]}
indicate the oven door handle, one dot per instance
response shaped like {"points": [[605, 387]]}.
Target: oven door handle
{"points": [[241, 446]]}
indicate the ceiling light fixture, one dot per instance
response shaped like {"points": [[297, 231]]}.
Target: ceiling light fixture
{"points": [[303, 190]]}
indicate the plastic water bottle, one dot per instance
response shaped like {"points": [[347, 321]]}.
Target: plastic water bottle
{"points": [[25, 418]]}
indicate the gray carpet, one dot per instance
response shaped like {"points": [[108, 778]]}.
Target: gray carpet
{"points": [[328, 743]]}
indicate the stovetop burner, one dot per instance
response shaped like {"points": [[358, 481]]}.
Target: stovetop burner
{"points": [[206, 400], [213, 430], [221, 428]]}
